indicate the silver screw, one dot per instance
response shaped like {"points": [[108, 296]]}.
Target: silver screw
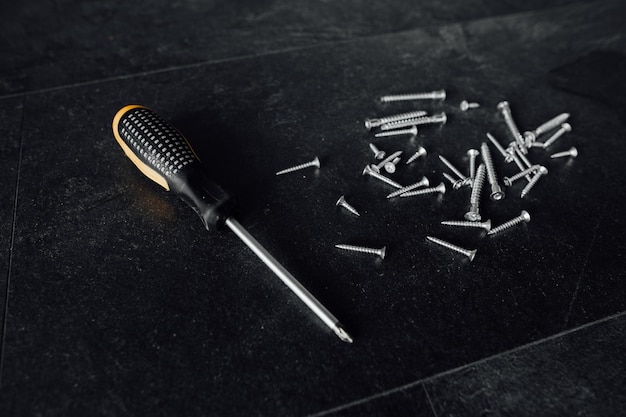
{"points": [[380, 252], [378, 154], [390, 166], [436, 118], [472, 154], [505, 109], [433, 95], [565, 127], [370, 123], [496, 191], [369, 171], [508, 181], [500, 148], [469, 253], [452, 167], [441, 189], [527, 164], [541, 172], [460, 223], [572, 152], [477, 187], [465, 105], [420, 152], [531, 136], [313, 163], [387, 159], [523, 217], [397, 132], [421, 183], [343, 203]]}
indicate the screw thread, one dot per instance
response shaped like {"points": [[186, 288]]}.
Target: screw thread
{"points": [[556, 135], [432, 95], [531, 183], [523, 217], [441, 188], [469, 253], [397, 132], [477, 187], [370, 123], [421, 183], [551, 124], [369, 171], [452, 167], [380, 252], [508, 181], [397, 124], [485, 153], [420, 152], [315, 162], [505, 109], [463, 223]]}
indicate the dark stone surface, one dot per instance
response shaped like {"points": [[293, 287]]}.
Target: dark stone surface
{"points": [[50, 44], [10, 128], [582, 374], [120, 302]]}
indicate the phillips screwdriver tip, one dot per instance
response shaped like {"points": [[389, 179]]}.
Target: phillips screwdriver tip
{"points": [[342, 334]]}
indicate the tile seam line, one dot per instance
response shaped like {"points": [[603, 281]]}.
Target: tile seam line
{"points": [[276, 52], [5, 307], [425, 380]]}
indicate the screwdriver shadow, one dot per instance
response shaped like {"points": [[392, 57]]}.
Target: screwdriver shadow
{"points": [[229, 156]]}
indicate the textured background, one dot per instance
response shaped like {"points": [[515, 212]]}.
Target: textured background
{"points": [[118, 302]]}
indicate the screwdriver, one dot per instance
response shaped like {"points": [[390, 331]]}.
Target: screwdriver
{"points": [[165, 156]]}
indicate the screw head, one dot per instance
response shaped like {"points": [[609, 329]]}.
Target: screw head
{"points": [[566, 127], [503, 106], [390, 167], [487, 225], [573, 152], [542, 170], [464, 105], [472, 216], [472, 153], [529, 137], [525, 216], [441, 188], [368, 124], [382, 252], [471, 254], [340, 201], [316, 162], [367, 170]]}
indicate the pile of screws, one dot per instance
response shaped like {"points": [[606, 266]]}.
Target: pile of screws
{"points": [[517, 151]]}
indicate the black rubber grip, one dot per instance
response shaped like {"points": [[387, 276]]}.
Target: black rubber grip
{"points": [[163, 154]]}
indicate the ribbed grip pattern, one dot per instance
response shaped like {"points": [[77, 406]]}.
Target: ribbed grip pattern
{"points": [[155, 141]]}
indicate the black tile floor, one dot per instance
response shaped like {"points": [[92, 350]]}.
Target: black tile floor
{"points": [[118, 302]]}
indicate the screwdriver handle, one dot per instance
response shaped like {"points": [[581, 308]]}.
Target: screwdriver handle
{"points": [[164, 155]]}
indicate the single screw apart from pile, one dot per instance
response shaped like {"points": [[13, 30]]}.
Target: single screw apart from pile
{"points": [[469, 253], [343, 203], [465, 105], [313, 163], [523, 217], [432, 95], [571, 152], [380, 252]]}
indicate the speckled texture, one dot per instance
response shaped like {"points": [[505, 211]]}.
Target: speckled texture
{"points": [[120, 302], [50, 44]]}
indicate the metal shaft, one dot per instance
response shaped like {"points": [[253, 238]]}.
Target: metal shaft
{"points": [[314, 305]]}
